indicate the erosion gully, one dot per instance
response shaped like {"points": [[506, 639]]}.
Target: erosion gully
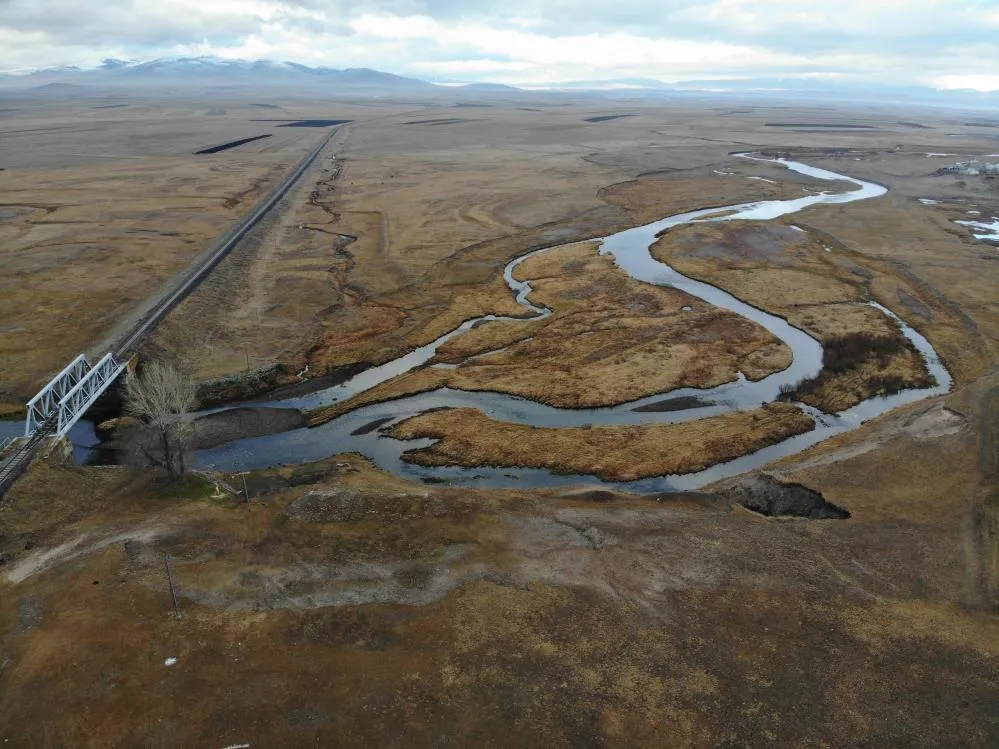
{"points": [[364, 430]]}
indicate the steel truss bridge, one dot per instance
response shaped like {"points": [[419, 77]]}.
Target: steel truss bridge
{"points": [[70, 393], [58, 406]]}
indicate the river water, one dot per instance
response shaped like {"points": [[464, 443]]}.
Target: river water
{"points": [[631, 252]]}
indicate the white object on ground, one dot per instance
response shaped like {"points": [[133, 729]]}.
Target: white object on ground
{"points": [[991, 230], [169, 661]]}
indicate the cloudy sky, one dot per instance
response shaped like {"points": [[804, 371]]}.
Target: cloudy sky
{"points": [[944, 43]]}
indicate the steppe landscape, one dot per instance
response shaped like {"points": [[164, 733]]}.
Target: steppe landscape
{"points": [[839, 594]]}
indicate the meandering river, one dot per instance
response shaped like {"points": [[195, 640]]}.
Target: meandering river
{"points": [[631, 252]]}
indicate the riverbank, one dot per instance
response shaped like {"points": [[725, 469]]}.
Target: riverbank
{"points": [[817, 285]]}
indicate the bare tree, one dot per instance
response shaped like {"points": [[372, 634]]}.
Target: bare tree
{"points": [[161, 397]]}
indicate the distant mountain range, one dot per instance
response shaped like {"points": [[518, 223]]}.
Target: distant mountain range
{"points": [[211, 74]]}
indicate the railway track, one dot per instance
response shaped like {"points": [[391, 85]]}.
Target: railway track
{"points": [[127, 344]]}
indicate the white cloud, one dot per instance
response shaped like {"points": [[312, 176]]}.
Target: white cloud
{"points": [[975, 82], [902, 41]]}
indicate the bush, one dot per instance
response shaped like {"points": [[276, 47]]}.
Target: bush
{"points": [[851, 351]]}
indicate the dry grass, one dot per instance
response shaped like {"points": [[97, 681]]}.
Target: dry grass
{"points": [[98, 217], [610, 340], [352, 607], [470, 438], [791, 274], [438, 211], [554, 632]]}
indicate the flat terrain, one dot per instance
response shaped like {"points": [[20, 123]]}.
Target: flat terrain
{"points": [[344, 606], [100, 208], [610, 339]]}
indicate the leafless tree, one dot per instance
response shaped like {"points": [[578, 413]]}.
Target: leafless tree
{"points": [[161, 397]]}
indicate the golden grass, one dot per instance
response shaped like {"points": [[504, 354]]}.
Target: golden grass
{"points": [[610, 340], [96, 224], [470, 438], [790, 273]]}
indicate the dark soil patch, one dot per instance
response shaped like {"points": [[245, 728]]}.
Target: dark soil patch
{"points": [[242, 386], [839, 125], [673, 404], [444, 121], [607, 117], [303, 123], [230, 144], [314, 123], [768, 496], [336, 376], [844, 353], [370, 427], [238, 423], [260, 483]]}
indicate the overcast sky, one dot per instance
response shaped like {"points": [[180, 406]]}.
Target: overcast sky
{"points": [[944, 43]]}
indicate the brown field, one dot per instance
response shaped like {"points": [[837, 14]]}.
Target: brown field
{"points": [[610, 340], [100, 208], [470, 438], [791, 273], [346, 607], [436, 216]]}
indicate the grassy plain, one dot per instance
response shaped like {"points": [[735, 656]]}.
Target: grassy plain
{"points": [[346, 606], [437, 211], [469, 438], [610, 340], [784, 269], [100, 208]]}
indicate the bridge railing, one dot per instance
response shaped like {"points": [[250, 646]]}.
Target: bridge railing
{"points": [[86, 392], [46, 403]]}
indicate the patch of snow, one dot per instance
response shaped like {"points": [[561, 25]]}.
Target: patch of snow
{"points": [[764, 179], [974, 213], [723, 174], [928, 201], [991, 230], [798, 228], [827, 249], [170, 661], [937, 155], [687, 308]]}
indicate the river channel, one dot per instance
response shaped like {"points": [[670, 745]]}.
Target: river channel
{"points": [[631, 252]]}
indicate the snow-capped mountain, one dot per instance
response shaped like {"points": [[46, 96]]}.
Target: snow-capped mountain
{"points": [[214, 72]]}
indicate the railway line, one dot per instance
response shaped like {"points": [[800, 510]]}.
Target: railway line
{"points": [[127, 344]]}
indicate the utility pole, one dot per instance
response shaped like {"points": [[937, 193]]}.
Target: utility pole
{"points": [[173, 590]]}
